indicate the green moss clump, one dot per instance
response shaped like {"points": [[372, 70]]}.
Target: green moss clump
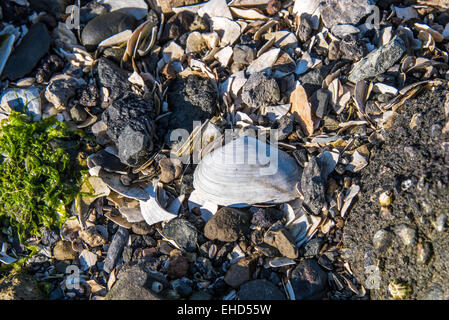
{"points": [[37, 182]]}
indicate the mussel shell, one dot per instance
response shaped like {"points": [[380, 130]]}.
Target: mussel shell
{"points": [[246, 171]]}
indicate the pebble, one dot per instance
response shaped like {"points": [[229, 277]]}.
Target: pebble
{"points": [[178, 266], [260, 290], [171, 169], [406, 234], [260, 90], [243, 54], [63, 251], [89, 96], [379, 60], [51, 64], [265, 217], [105, 26], [320, 102], [115, 249], [240, 272], [129, 120], [34, 45], [283, 241], [18, 98], [113, 78], [78, 114], [312, 186], [137, 8], [183, 287], [334, 12], [424, 252], [305, 28], [308, 280], [382, 240], [182, 232], [87, 259], [93, 237], [141, 228], [60, 90], [227, 225], [312, 248]]}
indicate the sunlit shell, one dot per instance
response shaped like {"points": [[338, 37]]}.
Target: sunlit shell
{"points": [[244, 172]]}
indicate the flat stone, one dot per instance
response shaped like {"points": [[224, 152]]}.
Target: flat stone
{"points": [[182, 232], [227, 225], [240, 272], [141, 228], [320, 102], [335, 12], [59, 91], [105, 26], [260, 90], [26, 100], [309, 280], [312, 186], [63, 251], [129, 120], [283, 241], [137, 283], [92, 237], [260, 290], [87, 259], [34, 45], [137, 8], [171, 169], [115, 250], [379, 60]]}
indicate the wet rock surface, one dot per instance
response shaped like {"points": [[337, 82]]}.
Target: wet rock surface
{"points": [[410, 236]]}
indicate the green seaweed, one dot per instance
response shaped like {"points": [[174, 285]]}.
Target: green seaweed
{"points": [[37, 180]]}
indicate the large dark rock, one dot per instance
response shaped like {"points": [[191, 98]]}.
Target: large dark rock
{"points": [[34, 46], [51, 6], [131, 126], [105, 26], [112, 78], [138, 283], [190, 99], [182, 232], [260, 290], [309, 280]]}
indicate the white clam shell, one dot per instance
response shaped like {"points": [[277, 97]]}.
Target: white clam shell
{"points": [[246, 171]]}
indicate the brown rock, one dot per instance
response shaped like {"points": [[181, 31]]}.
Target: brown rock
{"points": [[273, 7], [240, 272], [178, 266], [282, 240], [227, 225], [170, 169], [63, 251], [92, 237], [141, 228]]}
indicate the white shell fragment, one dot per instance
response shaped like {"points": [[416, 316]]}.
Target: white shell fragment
{"points": [[215, 8], [264, 62], [348, 199], [246, 171], [228, 30], [136, 8], [151, 209]]}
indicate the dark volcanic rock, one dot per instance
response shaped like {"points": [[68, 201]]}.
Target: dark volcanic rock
{"points": [[227, 225], [191, 99], [260, 90], [265, 217], [113, 78], [309, 280], [51, 65], [138, 283], [240, 272], [408, 243], [34, 46], [312, 186], [260, 290], [131, 126], [182, 232], [105, 26]]}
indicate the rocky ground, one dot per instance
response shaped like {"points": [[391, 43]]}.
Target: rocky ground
{"points": [[356, 89]]}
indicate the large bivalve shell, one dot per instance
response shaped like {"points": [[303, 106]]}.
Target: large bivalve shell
{"points": [[246, 171]]}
